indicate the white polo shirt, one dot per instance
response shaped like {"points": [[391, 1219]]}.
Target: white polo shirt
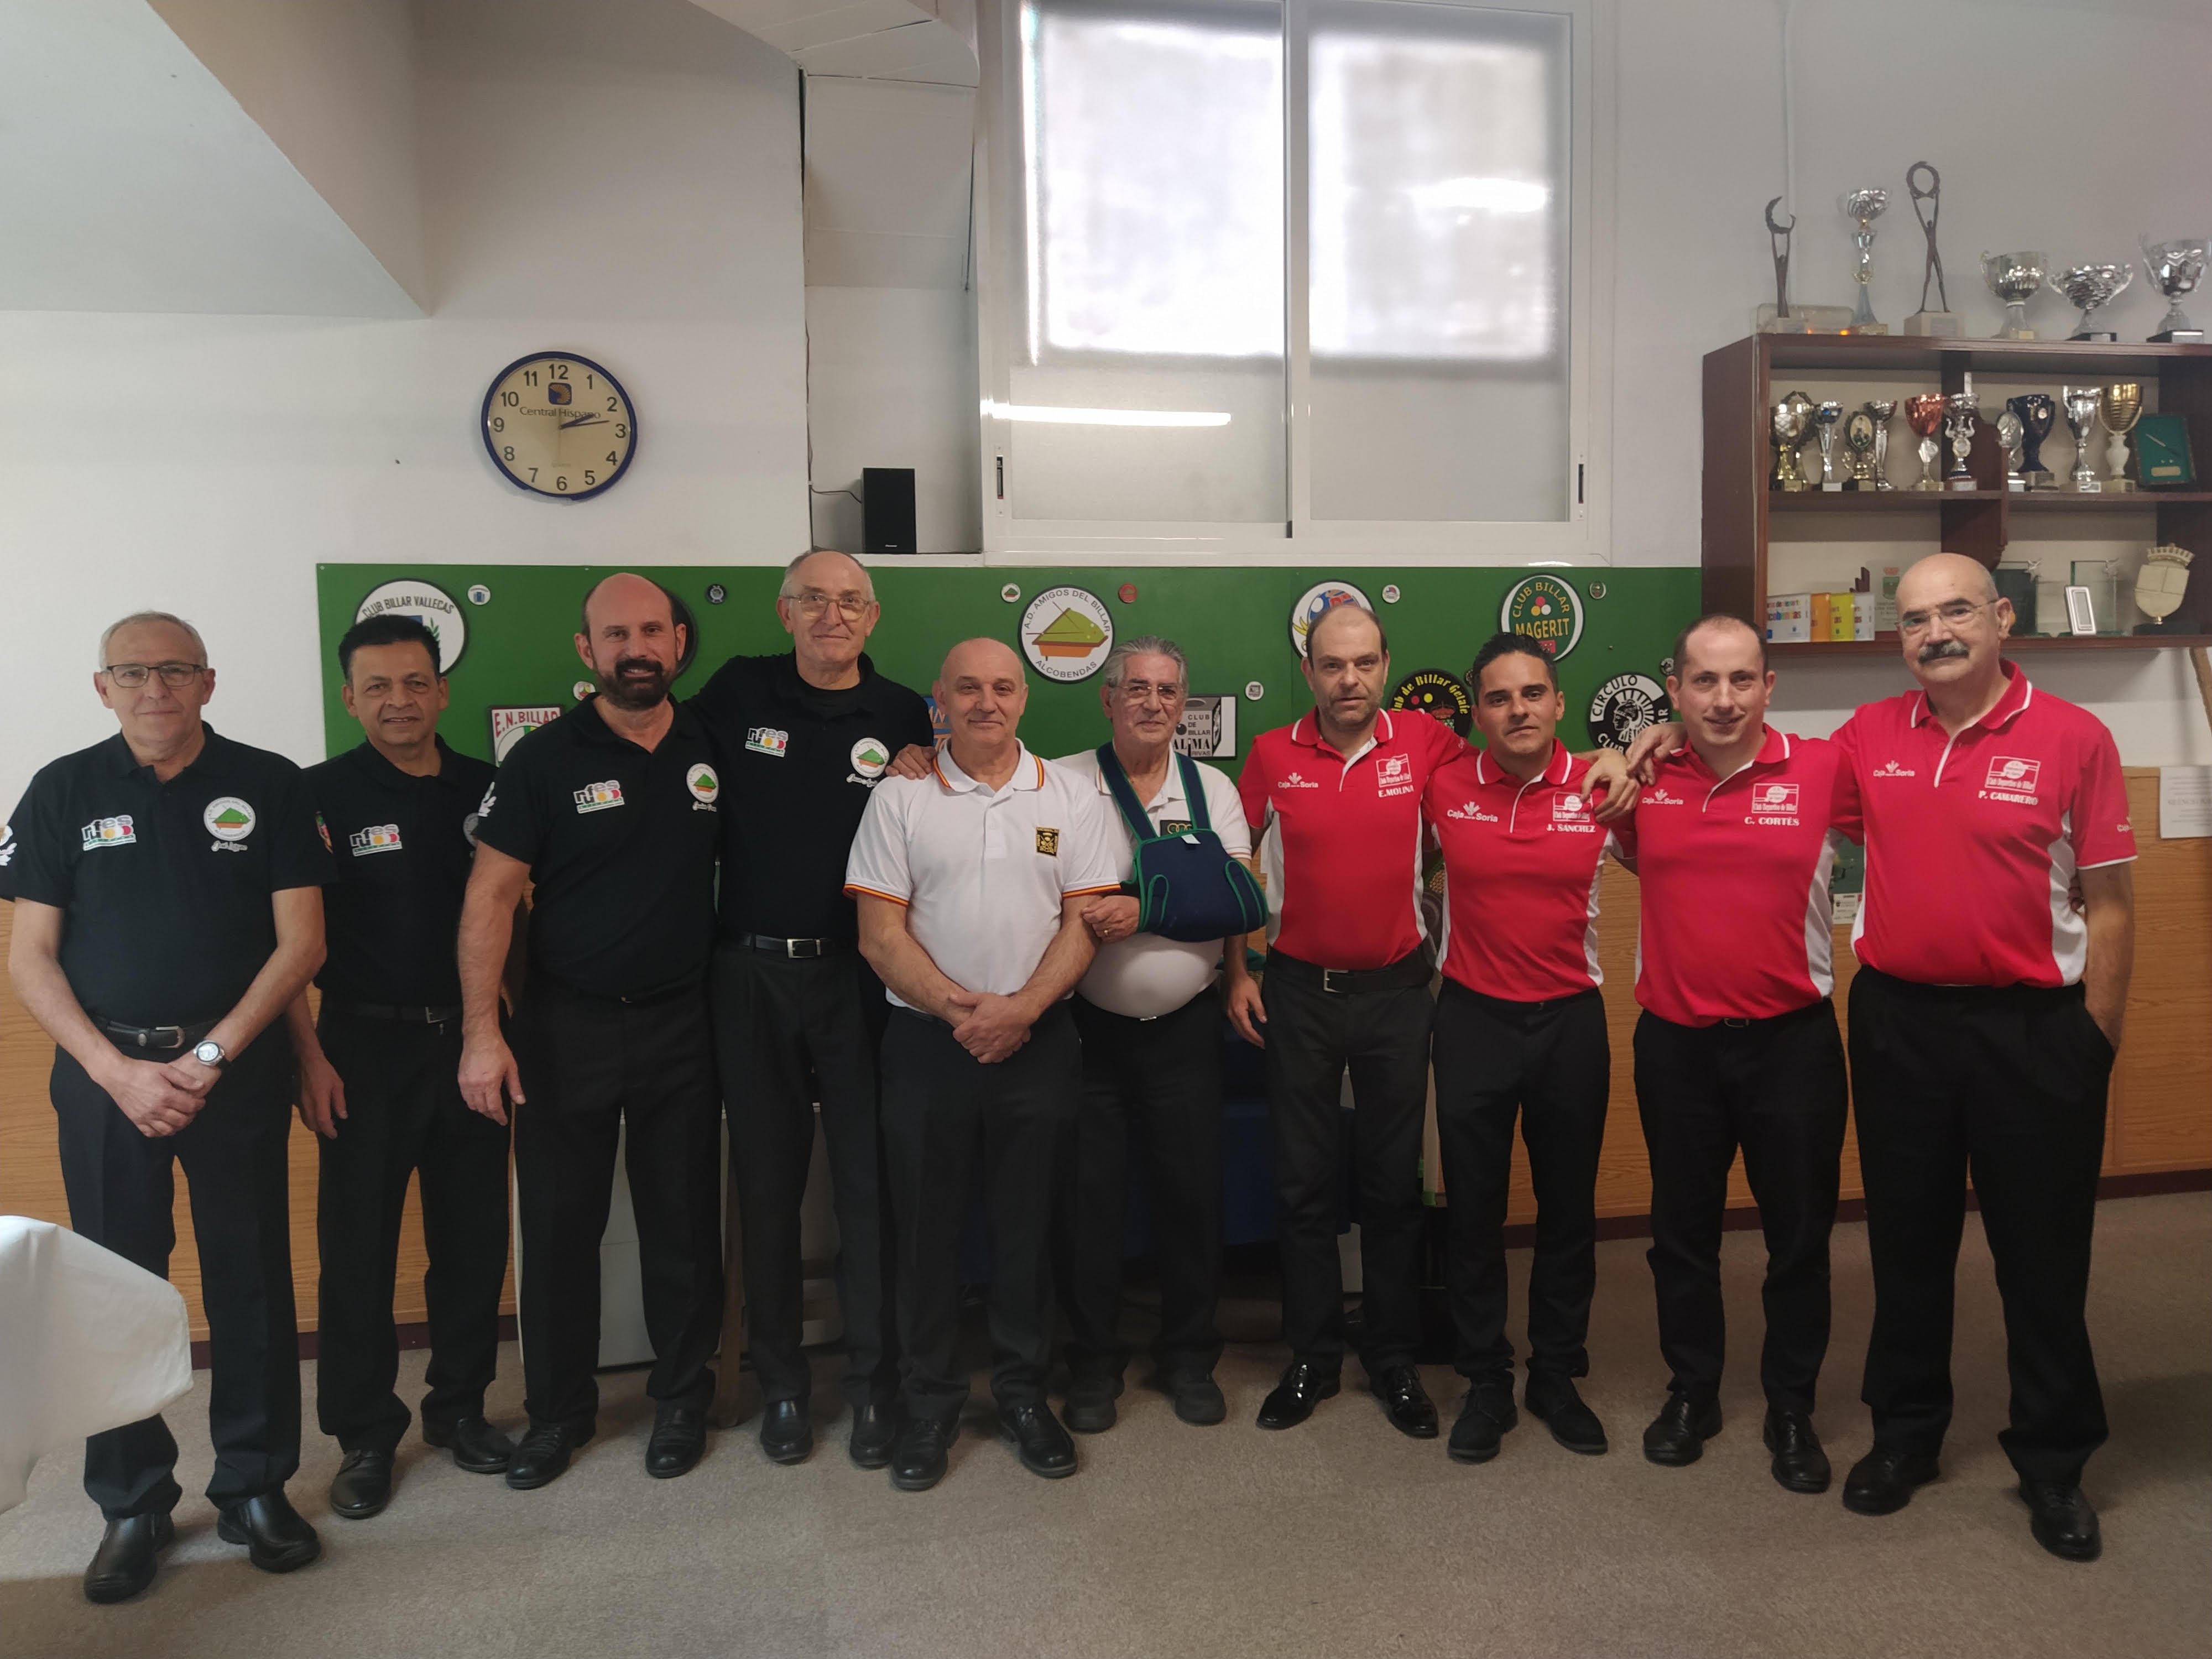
{"points": [[982, 870], [1143, 976]]}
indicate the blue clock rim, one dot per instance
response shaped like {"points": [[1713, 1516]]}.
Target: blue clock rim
{"points": [[491, 451]]}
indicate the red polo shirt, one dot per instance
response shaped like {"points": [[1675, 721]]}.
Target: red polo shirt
{"points": [[1521, 863], [1350, 828], [1972, 841], [1735, 874]]}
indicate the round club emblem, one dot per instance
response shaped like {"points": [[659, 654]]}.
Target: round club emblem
{"points": [[1011, 593], [1624, 706], [228, 818], [1254, 690], [1547, 609], [1433, 692], [702, 783], [716, 593], [869, 757], [479, 594], [1390, 594], [581, 689], [431, 606], [1321, 596], [1067, 633]]}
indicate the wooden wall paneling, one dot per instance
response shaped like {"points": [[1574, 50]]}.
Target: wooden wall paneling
{"points": [[2161, 1115]]}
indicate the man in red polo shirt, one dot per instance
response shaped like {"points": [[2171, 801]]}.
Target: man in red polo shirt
{"points": [[1520, 1030], [1984, 1023], [1737, 1046]]}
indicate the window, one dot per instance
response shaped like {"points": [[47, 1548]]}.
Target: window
{"points": [[1297, 274]]}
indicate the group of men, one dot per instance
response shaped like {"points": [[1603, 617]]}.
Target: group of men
{"points": [[782, 894]]}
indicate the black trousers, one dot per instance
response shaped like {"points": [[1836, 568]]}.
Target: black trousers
{"points": [[951, 1124], [1153, 1085], [1777, 1089], [590, 1066], [1551, 1064], [1383, 1037], [405, 1115], [788, 1033], [121, 1188], [2007, 1084]]}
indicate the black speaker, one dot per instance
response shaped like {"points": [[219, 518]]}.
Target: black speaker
{"points": [[887, 509]]}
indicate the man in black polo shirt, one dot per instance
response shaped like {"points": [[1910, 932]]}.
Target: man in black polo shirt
{"points": [[378, 1079], [168, 889], [611, 811], [798, 1017]]}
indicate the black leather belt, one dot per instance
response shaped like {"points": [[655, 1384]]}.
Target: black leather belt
{"points": [[1401, 974], [795, 950], [164, 1037], [407, 1013]]}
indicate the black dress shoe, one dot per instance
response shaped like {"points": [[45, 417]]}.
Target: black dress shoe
{"points": [[363, 1485], [1038, 1440], [276, 1540], [1881, 1482], [1484, 1417], [679, 1439], [918, 1455], [1091, 1403], [786, 1433], [875, 1426], [123, 1564], [1556, 1403], [542, 1456], [476, 1446], [1292, 1399], [1678, 1435], [2062, 1520], [1405, 1402], [1196, 1396], [1799, 1464]]}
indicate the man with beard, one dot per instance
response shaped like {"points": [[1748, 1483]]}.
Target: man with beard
{"points": [[611, 811]]}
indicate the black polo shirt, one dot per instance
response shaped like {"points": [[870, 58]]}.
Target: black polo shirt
{"points": [[801, 763], [165, 886], [621, 844], [403, 845]]}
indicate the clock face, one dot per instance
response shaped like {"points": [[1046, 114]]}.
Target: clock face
{"points": [[559, 425]]}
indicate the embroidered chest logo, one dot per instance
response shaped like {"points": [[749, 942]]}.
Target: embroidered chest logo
{"points": [[1176, 826], [1048, 842], [869, 758], [1296, 780], [1774, 804], [1892, 769], [598, 796], [377, 838], [1393, 775], [766, 740], [2013, 779], [704, 786], [1468, 812], [1661, 795], [117, 831], [1572, 807], [230, 821]]}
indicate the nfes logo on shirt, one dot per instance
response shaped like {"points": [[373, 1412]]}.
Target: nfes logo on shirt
{"points": [[598, 796], [377, 838]]}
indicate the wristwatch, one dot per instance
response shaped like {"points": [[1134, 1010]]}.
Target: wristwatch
{"points": [[210, 1053]]}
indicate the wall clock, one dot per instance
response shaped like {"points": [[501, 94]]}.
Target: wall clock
{"points": [[559, 425]]}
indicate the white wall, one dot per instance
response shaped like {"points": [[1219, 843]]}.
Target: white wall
{"points": [[623, 185]]}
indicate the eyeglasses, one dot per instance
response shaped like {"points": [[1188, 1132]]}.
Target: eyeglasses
{"points": [[1141, 690], [1957, 614], [851, 606], [132, 675]]}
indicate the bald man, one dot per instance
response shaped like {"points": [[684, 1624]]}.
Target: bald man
{"points": [[613, 813], [981, 1069]]}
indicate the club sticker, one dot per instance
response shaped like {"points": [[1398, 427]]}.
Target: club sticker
{"points": [[431, 606], [228, 818], [1624, 706], [1547, 609], [870, 756], [1440, 695], [1321, 596], [702, 783], [510, 726], [1067, 633]]}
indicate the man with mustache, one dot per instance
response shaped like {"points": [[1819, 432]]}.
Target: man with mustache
{"points": [[611, 811]]}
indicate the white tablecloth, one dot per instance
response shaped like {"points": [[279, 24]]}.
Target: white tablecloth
{"points": [[88, 1342]]}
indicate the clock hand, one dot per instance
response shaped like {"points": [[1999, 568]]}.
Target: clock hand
{"points": [[584, 420]]}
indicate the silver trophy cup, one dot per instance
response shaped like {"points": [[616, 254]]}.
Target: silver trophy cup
{"points": [[2014, 278], [2175, 268], [1864, 207], [2080, 402], [2089, 287]]}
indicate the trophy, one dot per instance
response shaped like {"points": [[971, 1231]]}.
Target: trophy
{"points": [[2160, 585], [1944, 322], [1824, 432], [2175, 266], [2014, 278], [1924, 415], [2036, 412], [2089, 287], [1792, 418], [1780, 322], [1882, 409], [1959, 413], [1858, 438], [2118, 405], [2008, 435], [1865, 206], [2081, 403]]}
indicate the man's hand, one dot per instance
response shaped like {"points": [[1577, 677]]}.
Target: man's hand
{"points": [[1608, 774], [322, 1094], [1649, 744], [995, 1027], [1110, 917], [193, 1076], [487, 1068], [146, 1094], [1240, 996], [913, 762]]}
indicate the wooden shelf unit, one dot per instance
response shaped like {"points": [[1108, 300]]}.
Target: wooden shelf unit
{"points": [[1744, 380]]}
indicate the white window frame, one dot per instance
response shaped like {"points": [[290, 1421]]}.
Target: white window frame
{"points": [[1582, 537]]}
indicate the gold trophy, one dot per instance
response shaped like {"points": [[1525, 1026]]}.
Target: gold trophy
{"points": [[1793, 419], [2118, 407], [1858, 443], [2160, 585]]}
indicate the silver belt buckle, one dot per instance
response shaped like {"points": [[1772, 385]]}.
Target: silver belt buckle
{"points": [[793, 953], [1329, 978]]}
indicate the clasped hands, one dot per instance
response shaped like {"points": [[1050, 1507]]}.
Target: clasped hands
{"points": [[158, 1097]]}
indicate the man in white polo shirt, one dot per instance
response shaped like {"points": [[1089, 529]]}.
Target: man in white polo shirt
{"points": [[971, 884], [1152, 1067]]}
